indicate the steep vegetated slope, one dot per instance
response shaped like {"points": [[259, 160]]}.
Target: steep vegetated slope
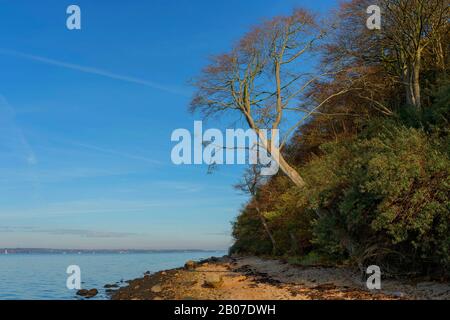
{"points": [[375, 158]]}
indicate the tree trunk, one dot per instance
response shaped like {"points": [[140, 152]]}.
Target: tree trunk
{"points": [[416, 80], [293, 243], [266, 228], [409, 88], [291, 172], [411, 76], [284, 166]]}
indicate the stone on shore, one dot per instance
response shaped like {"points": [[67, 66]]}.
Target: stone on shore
{"points": [[213, 281], [156, 288], [87, 293], [190, 265]]}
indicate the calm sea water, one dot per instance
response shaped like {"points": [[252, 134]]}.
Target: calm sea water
{"points": [[43, 276]]}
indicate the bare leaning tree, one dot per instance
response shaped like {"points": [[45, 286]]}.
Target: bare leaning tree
{"points": [[262, 77]]}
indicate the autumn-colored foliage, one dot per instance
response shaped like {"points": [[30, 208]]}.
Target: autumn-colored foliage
{"points": [[375, 159]]}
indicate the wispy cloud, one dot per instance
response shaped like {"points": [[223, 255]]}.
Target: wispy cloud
{"points": [[96, 71], [115, 152], [180, 186], [10, 177], [12, 136], [218, 234], [68, 232], [87, 233], [156, 206]]}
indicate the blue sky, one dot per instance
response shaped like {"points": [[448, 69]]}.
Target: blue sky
{"points": [[86, 118]]}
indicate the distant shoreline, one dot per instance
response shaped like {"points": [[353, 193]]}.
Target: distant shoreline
{"points": [[7, 251]]}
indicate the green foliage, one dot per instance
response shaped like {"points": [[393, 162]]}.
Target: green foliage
{"points": [[388, 201], [377, 190], [435, 118], [381, 197], [247, 230], [311, 259]]}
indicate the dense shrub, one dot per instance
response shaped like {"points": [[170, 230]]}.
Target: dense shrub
{"points": [[377, 187], [386, 200], [247, 229], [381, 197]]}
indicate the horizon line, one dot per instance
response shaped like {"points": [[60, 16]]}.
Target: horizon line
{"points": [[119, 249]]}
